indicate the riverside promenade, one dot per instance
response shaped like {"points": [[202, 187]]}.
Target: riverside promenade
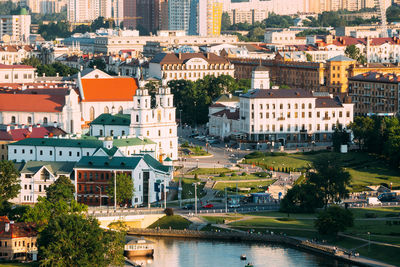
{"points": [[241, 236]]}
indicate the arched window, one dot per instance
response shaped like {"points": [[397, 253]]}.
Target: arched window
{"points": [[13, 119], [29, 120], [120, 110], [169, 116], [91, 113], [106, 110], [45, 120], [137, 118]]}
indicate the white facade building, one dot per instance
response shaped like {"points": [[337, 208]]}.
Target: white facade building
{"points": [[157, 124], [37, 176], [72, 149]]}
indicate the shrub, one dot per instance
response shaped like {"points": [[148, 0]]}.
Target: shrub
{"points": [[285, 219], [262, 174], [370, 215], [186, 144], [169, 212], [196, 176], [222, 175], [244, 173], [234, 174], [392, 215]]}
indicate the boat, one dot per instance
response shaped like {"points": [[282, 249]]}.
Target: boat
{"points": [[139, 247], [249, 265], [243, 257]]}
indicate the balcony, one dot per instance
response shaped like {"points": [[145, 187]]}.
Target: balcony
{"points": [[326, 118]]}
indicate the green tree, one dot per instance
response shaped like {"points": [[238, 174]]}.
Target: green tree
{"points": [[277, 21], [340, 137], [334, 220], [61, 189], [32, 61], [72, 240], [98, 63], [7, 7], [393, 13], [309, 57], [329, 178], [125, 188], [9, 181], [354, 52], [301, 198], [225, 21], [361, 127]]}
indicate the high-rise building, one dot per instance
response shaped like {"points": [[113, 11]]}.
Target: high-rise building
{"points": [[15, 28], [148, 10], [44, 6], [130, 14], [163, 15], [89, 10], [179, 15], [205, 17]]}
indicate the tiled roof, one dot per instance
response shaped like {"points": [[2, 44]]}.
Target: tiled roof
{"points": [[229, 115], [171, 58], [4, 66], [227, 98], [217, 105], [56, 168], [341, 58], [37, 132], [327, 102], [31, 103], [108, 89], [278, 93], [87, 142], [109, 119], [376, 77], [18, 229], [155, 163]]}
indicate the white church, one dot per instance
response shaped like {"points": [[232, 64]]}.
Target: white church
{"points": [[157, 124]]}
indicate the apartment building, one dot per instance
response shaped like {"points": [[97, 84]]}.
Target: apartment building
{"points": [[189, 66], [375, 93], [15, 28]]}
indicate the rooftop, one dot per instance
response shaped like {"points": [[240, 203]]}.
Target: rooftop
{"points": [[341, 58], [181, 58], [31, 102], [278, 93], [109, 119], [108, 89], [56, 168], [37, 132], [376, 77]]}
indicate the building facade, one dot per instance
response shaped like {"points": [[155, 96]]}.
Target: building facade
{"points": [[93, 175], [15, 28], [375, 93], [188, 66]]}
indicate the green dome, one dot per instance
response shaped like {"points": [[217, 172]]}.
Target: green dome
{"points": [[23, 11]]}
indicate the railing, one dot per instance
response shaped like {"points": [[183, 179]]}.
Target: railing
{"points": [[122, 212]]}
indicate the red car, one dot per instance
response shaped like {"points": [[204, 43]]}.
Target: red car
{"points": [[208, 206]]}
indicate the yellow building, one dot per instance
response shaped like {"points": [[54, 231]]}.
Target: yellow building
{"points": [[337, 71], [214, 17]]}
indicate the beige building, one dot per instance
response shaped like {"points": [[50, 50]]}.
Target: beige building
{"points": [[247, 16], [375, 93], [17, 240], [189, 66]]}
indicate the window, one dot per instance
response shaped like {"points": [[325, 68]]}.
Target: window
{"points": [[280, 106], [261, 115], [60, 153], [318, 127], [45, 120], [296, 114], [41, 152], [303, 106], [29, 120], [120, 110], [92, 114], [106, 110], [318, 114], [101, 132], [13, 119], [159, 133], [310, 114], [309, 105], [303, 115], [267, 115], [51, 153], [137, 118], [326, 127], [70, 153], [340, 114], [77, 154], [348, 114], [123, 133], [296, 106], [23, 151]]}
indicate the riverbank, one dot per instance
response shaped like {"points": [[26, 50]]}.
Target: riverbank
{"points": [[255, 237]]}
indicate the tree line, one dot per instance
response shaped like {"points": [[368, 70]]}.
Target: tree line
{"points": [[49, 70], [194, 98], [378, 135]]}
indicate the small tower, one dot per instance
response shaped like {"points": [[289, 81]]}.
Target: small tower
{"points": [[108, 142], [141, 111], [260, 78]]}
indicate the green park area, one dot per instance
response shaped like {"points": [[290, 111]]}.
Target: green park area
{"points": [[382, 224], [188, 189], [365, 169], [244, 186], [174, 222]]}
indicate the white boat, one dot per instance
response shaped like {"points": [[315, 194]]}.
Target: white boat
{"points": [[139, 247]]}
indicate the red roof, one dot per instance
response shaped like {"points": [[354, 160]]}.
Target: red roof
{"points": [[31, 102], [18, 229], [37, 132], [4, 66], [109, 89], [229, 114]]}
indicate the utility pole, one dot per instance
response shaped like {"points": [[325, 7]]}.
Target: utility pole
{"points": [[115, 191], [226, 201], [195, 198]]}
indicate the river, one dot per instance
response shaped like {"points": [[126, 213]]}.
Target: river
{"points": [[174, 252]]}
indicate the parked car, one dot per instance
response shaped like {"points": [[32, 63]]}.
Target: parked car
{"points": [[193, 135], [208, 206], [188, 207], [214, 141]]}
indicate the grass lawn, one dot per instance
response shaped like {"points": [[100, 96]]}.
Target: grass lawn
{"points": [[188, 188], [275, 222], [279, 214], [259, 186], [219, 219], [296, 233], [238, 177], [365, 169], [211, 228], [387, 254], [210, 171], [379, 212], [174, 221], [17, 264]]}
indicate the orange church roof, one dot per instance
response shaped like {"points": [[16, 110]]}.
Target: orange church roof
{"points": [[108, 89]]}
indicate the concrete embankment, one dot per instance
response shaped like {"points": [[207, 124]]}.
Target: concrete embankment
{"points": [[254, 237]]}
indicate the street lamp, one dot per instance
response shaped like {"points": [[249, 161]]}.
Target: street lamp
{"points": [[99, 187], [197, 163], [195, 198]]}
